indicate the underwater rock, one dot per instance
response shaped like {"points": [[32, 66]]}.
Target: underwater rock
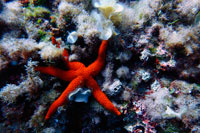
{"points": [[152, 65], [114, 88]]}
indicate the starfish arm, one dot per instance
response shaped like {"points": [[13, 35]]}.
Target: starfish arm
{"points": [[79, 81], [98, 64], [71, 65], [75, 65], [64, 75], [65, 56], [101, 97]]}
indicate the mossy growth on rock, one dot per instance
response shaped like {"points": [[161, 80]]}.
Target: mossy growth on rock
{"points": [[37, 12]]}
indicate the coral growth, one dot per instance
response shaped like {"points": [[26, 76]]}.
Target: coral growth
{"points": [[31, 83], [151, 73]]}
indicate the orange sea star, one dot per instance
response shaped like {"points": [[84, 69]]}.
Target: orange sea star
{"points": [[79, 75]]}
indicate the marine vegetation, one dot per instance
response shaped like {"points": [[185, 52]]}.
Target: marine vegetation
{"points": [[100, 66]]}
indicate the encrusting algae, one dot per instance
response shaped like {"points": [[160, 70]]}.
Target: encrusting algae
{"points": [[145, 80]]}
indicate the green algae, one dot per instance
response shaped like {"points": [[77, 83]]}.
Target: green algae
{"points": [[37, 12]]}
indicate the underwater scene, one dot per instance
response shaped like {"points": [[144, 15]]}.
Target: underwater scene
{"points": [[99, 66]]}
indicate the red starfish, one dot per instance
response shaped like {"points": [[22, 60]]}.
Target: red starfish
{"points": [[79, 75]]}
